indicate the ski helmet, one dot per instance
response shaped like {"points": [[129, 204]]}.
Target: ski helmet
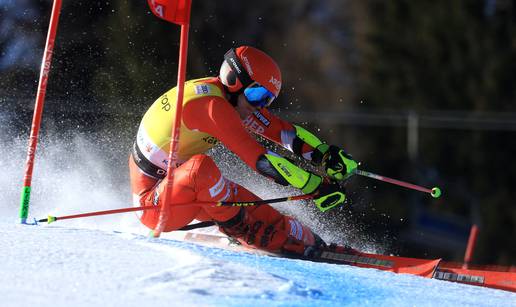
{"points": [[252, 72]]}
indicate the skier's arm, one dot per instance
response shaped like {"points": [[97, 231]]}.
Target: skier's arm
{"points": [[303, 143], [219, 119], [293, 137], [281, 132], [327, 194]]}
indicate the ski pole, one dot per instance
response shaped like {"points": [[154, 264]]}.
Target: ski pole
{"points": [[434, 192], [263, 201], [51, 218]]}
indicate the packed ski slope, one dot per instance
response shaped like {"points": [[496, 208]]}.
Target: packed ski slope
{"points": [[67, 266], [109, 261]]}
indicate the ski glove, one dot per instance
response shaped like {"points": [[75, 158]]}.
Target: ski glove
{"points": [[337, 163], [329, 195]]}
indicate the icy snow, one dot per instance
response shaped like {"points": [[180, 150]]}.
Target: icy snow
{"points": [[64, 266]]}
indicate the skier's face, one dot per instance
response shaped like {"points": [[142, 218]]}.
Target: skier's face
{"points": [[244, 108]]}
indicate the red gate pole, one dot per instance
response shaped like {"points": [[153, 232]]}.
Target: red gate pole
{"points": [[471, 246], [184, 7], [38, 110]]}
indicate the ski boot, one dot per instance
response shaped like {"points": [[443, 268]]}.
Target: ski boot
{"points": [[317, 252]]}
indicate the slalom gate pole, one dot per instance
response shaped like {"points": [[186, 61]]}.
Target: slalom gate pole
{"points": [[174, 144], [51, 219], [38, 110], [434, 192], [471, 246]]}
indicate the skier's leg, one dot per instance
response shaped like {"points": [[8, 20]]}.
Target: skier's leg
{"points": [[142, 188], [147, 191], [264, 227], [199, 179]]}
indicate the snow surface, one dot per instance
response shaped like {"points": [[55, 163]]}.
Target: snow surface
{"points": [[64, 266], [110, 261]]}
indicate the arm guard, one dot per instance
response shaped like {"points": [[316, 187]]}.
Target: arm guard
{"points": [[285, 172], [319, 148]]}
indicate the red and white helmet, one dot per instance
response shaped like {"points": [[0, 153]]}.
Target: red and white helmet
{"points": [[246, 66]]}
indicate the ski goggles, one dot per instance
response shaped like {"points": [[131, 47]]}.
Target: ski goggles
{"points": [[258, 96]]}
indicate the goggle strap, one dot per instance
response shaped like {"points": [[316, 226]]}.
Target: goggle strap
{"points": [[242, 75]]}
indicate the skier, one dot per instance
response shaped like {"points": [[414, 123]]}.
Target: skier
{"points": [[226, 109]]}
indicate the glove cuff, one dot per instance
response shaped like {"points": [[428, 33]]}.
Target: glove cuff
{"points": [[320, 153]]}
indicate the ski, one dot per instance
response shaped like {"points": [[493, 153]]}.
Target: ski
{"points": [[496, 277], [403, 265]]}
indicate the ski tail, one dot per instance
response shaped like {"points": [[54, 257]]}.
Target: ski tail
{"points": [[496, 277]]}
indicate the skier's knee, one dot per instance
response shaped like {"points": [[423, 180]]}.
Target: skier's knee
{"points": [[207, 179]]}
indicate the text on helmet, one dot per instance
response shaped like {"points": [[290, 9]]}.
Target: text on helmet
{"points": [[275, 82], [235, 65], [248, 65]]}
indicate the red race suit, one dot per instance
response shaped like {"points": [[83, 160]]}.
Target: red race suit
{"points": [[209, 118]]}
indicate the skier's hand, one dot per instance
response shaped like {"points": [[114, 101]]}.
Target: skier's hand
{"points": [[329, 195], [337, 163]]}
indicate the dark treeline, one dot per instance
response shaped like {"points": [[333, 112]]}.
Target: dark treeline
{"points": [[438, 57]]}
